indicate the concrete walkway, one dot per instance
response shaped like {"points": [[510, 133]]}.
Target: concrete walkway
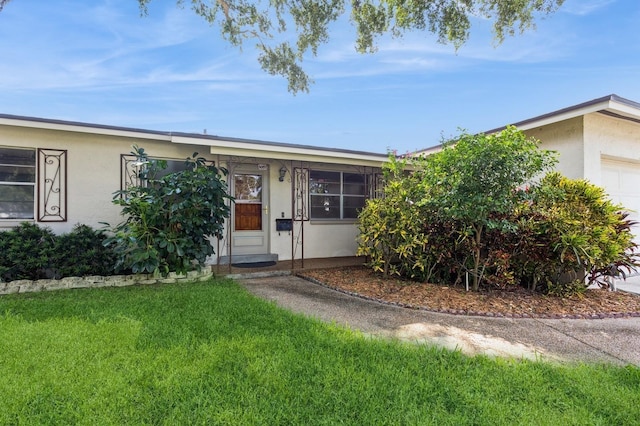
{"points": [[630, 285], [614, 341]]}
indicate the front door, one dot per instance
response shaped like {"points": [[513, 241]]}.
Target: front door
{"points": [[250, 211]]}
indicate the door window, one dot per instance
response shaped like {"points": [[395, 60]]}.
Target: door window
{"points": [[248, 202]]}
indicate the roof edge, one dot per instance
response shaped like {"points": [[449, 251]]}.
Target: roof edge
{"points": [[81, 124], [196, 137], [573, 111], [568, 112]]}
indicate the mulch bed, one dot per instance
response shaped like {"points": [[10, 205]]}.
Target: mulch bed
{"points": [[516, 303]]}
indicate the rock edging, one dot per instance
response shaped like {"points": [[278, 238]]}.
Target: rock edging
{"points": [[95, 281]]}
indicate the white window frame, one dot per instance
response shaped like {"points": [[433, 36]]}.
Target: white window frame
{"points": [[32, 185]]}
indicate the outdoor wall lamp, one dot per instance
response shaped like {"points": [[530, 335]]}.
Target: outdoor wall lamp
{"points": [[283, 172]]}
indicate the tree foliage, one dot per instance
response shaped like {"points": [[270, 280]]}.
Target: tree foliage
{"points": [[285, 31], [170, 219]]}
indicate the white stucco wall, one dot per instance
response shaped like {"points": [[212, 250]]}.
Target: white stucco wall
{"points": [[323, 239], [93, 169], [94, 174], [609, 138], [565, 137], [583, 141]]}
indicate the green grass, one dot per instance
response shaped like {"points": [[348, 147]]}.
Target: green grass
{"points": [[210, 353]]}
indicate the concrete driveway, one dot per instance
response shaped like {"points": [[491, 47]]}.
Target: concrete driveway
{"points": [[615, 340]]}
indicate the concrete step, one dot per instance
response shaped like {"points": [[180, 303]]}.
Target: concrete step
{"points": [[248, 258]]}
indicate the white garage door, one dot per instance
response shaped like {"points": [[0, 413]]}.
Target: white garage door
{"points": [[621, 179]]}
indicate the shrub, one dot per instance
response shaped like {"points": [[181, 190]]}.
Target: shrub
{"points": [[440, 213], [82, 252], [583, 231], [169, 220], [31, 252], [474, 181], [466, 211], [27, 253], [390, 227]]}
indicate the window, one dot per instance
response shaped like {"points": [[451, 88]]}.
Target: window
{"points": [[173, 166], [131, 168], [248, 202], [336, 195], [17, 183]]}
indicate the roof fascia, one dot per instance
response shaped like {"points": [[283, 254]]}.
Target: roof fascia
{"points": [[275, 151], [77, 127], [612, 104], [218, 145]]}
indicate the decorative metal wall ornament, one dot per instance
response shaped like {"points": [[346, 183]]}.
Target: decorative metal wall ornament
{"points": [[301, 193], [130, 171], [52, 185], [134, 170]]}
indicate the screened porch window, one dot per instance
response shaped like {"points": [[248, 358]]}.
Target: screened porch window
{"points": [[336, 195]]}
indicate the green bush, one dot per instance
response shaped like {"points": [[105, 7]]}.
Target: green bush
{"points": [[32, 252], [399, 236], [466, 212], [169, 220], [584, 233], [82, 252], [390, 227], [27, 253]]}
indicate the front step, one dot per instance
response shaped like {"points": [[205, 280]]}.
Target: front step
{"points": [[248, 258]]}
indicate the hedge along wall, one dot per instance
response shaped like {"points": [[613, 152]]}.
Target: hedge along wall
{"points": [[29, 286]]}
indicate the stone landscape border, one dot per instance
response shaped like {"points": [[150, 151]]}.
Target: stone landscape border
{"points": [[96, 281]]}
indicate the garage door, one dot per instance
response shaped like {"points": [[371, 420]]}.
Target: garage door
{"points": [[621, 179]]}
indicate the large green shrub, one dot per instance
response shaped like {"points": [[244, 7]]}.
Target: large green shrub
{"points": [[169, 220], [82, 252], [474, 180], [31, 252], [390, 234], [397, 235], [26, 252], [582, 233], [463, 190], [472, 210]]}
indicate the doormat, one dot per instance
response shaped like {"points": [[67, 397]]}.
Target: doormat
{"points": [[253, 264]]}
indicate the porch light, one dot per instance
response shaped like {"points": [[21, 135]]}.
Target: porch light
{"points": [[283, 172]]}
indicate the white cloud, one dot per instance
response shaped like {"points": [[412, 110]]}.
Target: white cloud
{"points": [[416, 53], [584, 7], [116, 48]]}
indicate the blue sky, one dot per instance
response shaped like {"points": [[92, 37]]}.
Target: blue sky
{"points": [[101, 62]]}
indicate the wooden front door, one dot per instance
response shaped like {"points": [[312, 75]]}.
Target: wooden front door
{"points": [[250, 221]]}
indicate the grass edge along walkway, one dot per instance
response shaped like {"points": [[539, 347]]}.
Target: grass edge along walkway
{"points": [[212, 353]]}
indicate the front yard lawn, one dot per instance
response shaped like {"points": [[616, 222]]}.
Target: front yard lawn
{"points": [[210, 353]]}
